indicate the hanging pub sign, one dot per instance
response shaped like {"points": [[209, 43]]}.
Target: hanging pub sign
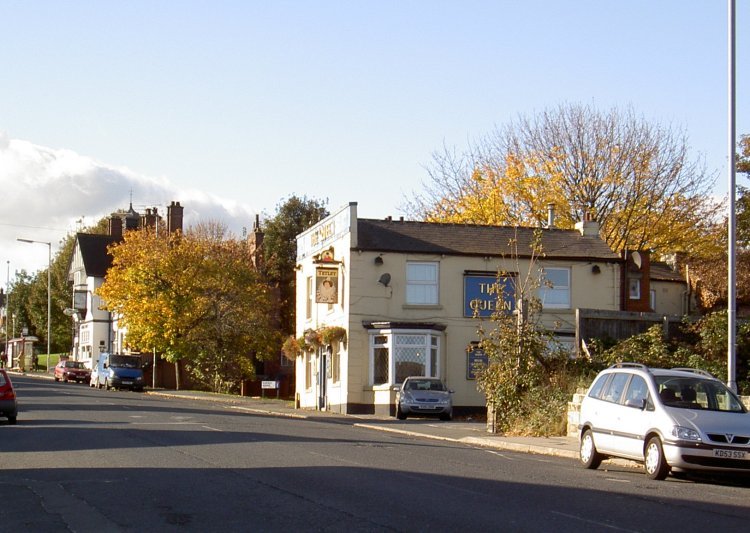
{"points": [[486, 293], [326, 285]]}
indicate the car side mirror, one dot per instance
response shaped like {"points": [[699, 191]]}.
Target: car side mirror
{"points": [[104, 365], [451, 391], [637, 404]]}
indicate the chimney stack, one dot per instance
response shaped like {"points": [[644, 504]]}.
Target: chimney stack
{"points": [[588, 227], [150, 219], [115, 226], [255, 243], [174, 217], [550, 215]]}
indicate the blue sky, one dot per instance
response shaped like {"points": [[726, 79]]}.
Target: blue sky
{"points": [[230, 107]]}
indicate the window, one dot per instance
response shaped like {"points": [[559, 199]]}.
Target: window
{"points": [[336, 362], [380, 359], [422, 283], [398, 354], [634, 288], [637, 390], [613, 393], [599, 386], [555, 289], [310, 360], [309, 298]]}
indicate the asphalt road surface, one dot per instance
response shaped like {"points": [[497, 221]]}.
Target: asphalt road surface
{"points": [[83, 460]]}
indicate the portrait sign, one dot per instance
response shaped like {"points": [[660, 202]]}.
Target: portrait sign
{"points": [[326, 285]]}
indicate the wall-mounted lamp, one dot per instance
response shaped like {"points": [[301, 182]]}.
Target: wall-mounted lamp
{"points": [[384, 279], [596, 270], [379, 260]]}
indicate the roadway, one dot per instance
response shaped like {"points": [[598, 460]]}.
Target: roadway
{"points": [[83, 460]]}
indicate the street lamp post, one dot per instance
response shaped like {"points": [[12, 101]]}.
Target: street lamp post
{"points": [[49, 290]]}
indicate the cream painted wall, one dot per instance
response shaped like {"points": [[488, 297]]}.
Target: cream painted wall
{"points": [[670, 298], [372, 301]]}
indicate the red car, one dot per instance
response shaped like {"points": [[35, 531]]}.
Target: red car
{"points": [[8, 403], [72, 371]]}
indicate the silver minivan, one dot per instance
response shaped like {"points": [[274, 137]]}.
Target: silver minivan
{"points": [[671, 420]]}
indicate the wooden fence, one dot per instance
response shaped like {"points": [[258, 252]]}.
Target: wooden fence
{"points": [[619, 325]]}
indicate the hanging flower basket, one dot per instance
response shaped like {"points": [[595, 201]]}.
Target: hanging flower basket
{"points": [[311, 340], [331, 334], [291, 348]]}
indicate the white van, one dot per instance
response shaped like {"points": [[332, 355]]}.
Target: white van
{"points": [[679, 419]]}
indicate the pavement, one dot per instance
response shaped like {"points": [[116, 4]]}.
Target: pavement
{"points": [[460, 431]]}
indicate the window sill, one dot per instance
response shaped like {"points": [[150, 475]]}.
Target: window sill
{"points": [[426, 306], [381, 387]]}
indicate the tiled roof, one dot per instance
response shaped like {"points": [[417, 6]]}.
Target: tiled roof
{"points": [[470, 239], [663, 272], [93, 248]]}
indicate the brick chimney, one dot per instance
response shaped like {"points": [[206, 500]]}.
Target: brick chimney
{"points": [[174, 217], [150, 218], [255, 243], [636, 281], [115, 226]]}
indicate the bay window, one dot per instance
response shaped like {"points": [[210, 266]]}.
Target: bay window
{"points": [[397, 354]]}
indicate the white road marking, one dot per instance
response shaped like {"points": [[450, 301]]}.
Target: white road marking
{"points": [[594, 522]]}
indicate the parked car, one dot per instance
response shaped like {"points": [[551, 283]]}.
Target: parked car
{"points": [[119, 371], [8, 401], [67, 370], [670, 420], [420, 395]]}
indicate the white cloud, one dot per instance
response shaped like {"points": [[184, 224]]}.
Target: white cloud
{"points": [[46, 191]]}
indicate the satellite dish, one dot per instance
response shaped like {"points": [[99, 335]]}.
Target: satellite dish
{"points": [[637, 260], [385, 279]]}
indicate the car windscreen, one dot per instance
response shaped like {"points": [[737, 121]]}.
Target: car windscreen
{"points": [[73, 364], [697, 393], [425, 384], [125, 361]]}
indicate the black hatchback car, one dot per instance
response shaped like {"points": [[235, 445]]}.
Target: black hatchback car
{"points": [[8, 402]]}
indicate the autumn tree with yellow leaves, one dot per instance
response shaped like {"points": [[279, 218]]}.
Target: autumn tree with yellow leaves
{"points": [[636, 178], [195, 298]]}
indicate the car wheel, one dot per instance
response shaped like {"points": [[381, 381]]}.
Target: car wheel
{"points": [[57, 379], [399, 413], [12, 420], [447, 416], [106, 384], [587, 453], [655, 464]]}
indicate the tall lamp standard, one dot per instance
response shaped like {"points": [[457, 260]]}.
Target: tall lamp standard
{"points": [[49, 290]]}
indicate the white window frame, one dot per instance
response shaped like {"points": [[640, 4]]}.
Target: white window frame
{"points": [[634, 288], [309, 370], [309, 297], [419, 284], [432, 344], [558, 289]]}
